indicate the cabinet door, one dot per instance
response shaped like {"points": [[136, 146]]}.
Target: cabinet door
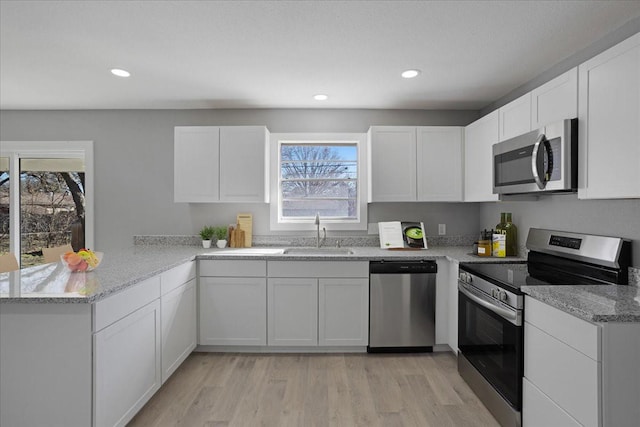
{"points": [[196, 154], [392, 169], [609, 117], [233, 311], [293, 312], [567, 376], [243, 156], [540, 411], [178, 327], [515, 117], [452, 313], [439, 167], [478, 159], [126, 366], [343, 312], [442, 302], [555, 100]]}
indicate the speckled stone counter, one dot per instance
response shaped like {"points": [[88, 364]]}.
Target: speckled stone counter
{"points": [[595, 303], [52, 283]]}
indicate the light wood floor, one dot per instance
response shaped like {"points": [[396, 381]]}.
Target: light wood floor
{"points": [[212, 389]]}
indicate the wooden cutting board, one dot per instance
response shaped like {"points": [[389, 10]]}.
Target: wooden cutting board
{"points": [[245, 222]]}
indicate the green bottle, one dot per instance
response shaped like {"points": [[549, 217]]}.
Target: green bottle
{"points": [[512, 235], [503, 221]]}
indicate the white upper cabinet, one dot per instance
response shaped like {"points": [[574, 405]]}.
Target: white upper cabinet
{"points": [[609, 123], [478, 159], [409, 163], [392, 169], [515, 117], [439, 163], [243, 164], [196, 154], [220, 164], [555, 100]]}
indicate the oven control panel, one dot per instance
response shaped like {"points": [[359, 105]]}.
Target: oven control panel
{"points": [[565, 242]]}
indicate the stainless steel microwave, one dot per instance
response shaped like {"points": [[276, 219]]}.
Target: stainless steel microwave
{"points": [[544, 160]]}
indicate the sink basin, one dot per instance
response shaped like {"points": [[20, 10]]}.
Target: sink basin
{"points": [[318, 251], [251, 251]]}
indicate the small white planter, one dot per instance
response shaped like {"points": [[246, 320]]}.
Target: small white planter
{"points": [[221, 244], [206, 244]]}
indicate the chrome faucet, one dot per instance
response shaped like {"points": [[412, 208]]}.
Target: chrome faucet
{"points": [[324, 231]]}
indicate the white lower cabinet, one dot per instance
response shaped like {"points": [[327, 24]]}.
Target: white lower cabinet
{"points": [[233, 311], [577, 372], [126, 365], [178, 327], [542, 411], [179, 318], [292, 305], [233, 302], [343, 312], [318, 303]]}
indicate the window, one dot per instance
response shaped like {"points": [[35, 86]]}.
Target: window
{"points": [[50, 204], [320, 174]]}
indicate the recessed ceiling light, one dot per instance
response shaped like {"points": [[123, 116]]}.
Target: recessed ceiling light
{"points": [[409, 74], [120, 73], [320, 97]]}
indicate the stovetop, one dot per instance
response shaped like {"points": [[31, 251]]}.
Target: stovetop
{"points": [[513, 276]]}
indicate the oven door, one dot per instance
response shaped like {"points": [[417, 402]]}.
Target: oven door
{"points": [[491, 339]]}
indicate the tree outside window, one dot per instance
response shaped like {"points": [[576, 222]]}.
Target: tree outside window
{"points": [[318, 178]]}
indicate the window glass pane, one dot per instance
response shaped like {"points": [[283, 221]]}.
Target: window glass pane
{"points": [[51, 206], [319, 178], [4, 205]]}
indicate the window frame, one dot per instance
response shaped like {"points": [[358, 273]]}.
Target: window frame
{"points": [[15, 150], [301, 224]]}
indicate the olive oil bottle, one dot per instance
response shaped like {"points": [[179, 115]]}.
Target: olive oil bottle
{"points": [[503, 220], [512, 235]]}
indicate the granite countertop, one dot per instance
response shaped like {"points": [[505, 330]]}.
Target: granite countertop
{"points": [[53, 283], [595, 303]]}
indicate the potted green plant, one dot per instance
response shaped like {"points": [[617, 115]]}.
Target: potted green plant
{"points": [[221, 234], [206, 233]]}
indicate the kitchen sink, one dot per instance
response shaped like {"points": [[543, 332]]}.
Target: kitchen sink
{"points": [[318, 251]]}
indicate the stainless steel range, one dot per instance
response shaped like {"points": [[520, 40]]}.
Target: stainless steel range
{"points": [[491, 308]]}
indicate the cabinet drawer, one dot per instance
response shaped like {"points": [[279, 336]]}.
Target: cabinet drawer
{"points": [[567, 376], [540, 411], [116, 307], [577, 333], [318, 269], [177, 276], [231, 268]]}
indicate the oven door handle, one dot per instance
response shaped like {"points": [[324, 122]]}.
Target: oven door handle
{"points": [[509, 315]]}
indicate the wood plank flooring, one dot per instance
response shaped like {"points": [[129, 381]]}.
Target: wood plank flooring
{"points": [[216, 390]]}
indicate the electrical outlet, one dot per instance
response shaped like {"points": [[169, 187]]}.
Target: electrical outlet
{"points": [[442, 229]]}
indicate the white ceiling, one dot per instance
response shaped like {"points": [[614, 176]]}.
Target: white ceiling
{"points": [[278, 54]]}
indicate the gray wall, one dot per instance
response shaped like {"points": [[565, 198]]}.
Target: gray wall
{"points": [[134, 164], [619, 218]]}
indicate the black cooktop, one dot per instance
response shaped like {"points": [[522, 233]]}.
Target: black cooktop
{"points": [[513, 275]]}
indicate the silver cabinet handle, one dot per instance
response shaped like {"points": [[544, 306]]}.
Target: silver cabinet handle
{"points": [[534, 162], [509, 315]]}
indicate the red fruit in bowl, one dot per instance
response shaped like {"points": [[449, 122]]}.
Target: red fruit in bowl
{"points": [[74, 259], [82, 266]]}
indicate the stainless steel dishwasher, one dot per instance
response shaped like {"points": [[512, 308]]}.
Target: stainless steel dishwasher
{"points": [[402, 306]]}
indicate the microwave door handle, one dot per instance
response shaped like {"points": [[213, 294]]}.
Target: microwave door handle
{"points": [[534, 162]]}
